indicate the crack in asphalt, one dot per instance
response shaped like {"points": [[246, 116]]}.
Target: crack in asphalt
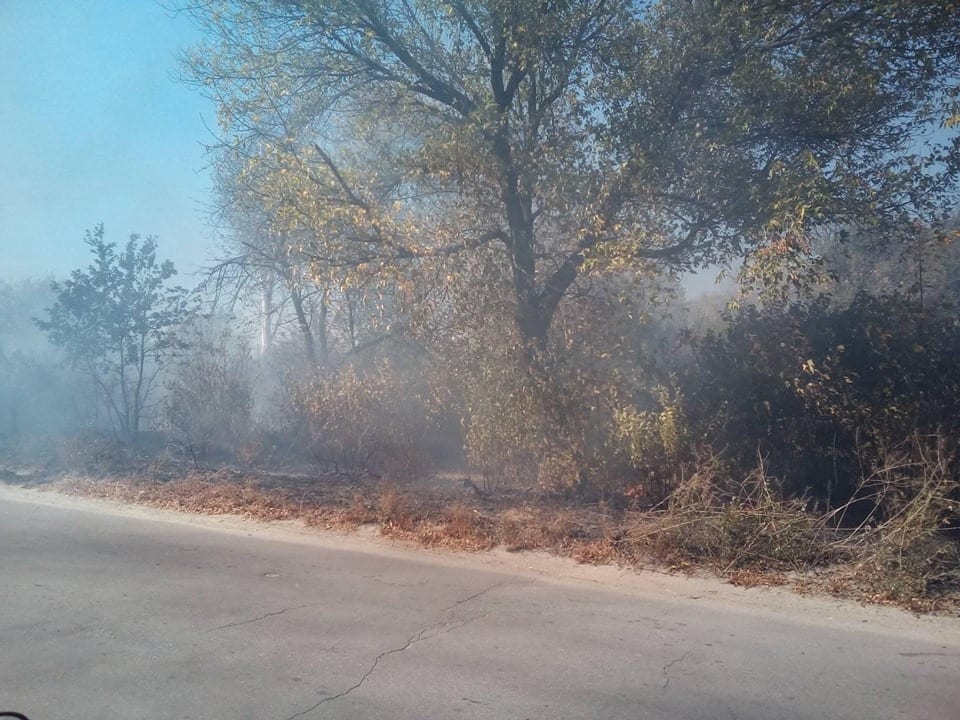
{"points": [[258, 618], [427, 633], [433, 630], [493, 587], [666, 668]]}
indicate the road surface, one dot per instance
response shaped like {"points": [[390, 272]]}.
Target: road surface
{"points": [[128, 613]]}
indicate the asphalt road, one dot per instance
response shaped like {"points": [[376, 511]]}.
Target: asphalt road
{"points": [[123, 613]]}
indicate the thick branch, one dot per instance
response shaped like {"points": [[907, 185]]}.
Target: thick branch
{"points": [[556, 287], [472, 26]]}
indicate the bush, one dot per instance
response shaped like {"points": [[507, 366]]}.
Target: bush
{"points": [[365, 416], [210, 389], [509, 432], [910, 553], [732, 525], [820, 390]]}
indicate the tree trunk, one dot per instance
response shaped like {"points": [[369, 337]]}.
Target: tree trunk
{"points": [[303, 321], [532, 323], [322, 330], [266, 304]]}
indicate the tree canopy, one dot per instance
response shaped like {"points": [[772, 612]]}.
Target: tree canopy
{"points": [[540, 143]]}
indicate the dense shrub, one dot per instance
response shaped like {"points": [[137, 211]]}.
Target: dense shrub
{"points": [[210, 389], [368, 414], [820, 389]]}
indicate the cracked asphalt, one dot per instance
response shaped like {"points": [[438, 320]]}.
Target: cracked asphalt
{"points": [[124, 613]]}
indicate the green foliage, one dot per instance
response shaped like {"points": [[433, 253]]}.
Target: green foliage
{"points": [[658, 444], [891, 370], [116, 321], [514, 188], [521, 426], [491, 176]]}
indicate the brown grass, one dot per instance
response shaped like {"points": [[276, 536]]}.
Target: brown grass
{"points": [[194, 493], [729, 526], [755, 578], [906, 552], [530, 528]]}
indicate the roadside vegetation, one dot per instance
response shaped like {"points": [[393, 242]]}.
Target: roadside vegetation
{"points": [[456, 298]]}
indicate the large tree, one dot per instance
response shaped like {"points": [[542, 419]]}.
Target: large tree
{"points": [[542, 142]]}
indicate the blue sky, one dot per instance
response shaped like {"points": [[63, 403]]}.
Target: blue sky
{"points": [[95, 127]]}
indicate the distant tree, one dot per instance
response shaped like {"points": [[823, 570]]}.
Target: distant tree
{"points": [[262, 262], [921, 262], [36, 396], [116, 322]]}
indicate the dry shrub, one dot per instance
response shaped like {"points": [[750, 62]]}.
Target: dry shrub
{"points": [[395, 511], [96, 455], [361, 511], [404, 459], [730, 525], [560, 467], [921, 573], [459, 527], [600, 551], [912, 555], [209, 401], [464, 523], [537, 529], [520, 530], [261, 448], [361, 417], [559, 527]]}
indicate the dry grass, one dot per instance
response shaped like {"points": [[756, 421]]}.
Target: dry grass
{"points": [[195, 493], [395, 511], [530, 528], [731, 527], [755, 578], [922, 575], [907, 552], [596, 552], [459, 527]]}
